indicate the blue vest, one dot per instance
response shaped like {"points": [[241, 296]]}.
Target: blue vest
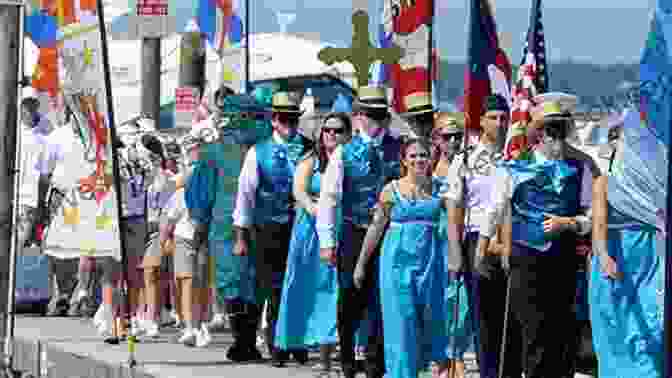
{"points": [[365, 175], [276, 164], [552, 187]]}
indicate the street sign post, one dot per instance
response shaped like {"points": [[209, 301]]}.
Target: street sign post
{"points": [[150, 19]]}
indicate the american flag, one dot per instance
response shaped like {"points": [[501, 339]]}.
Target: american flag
{"points": [[532, 80]]}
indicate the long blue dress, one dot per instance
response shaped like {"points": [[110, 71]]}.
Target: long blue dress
{"points": [[459, 328], [627, 315], [411, 264], [309, 291]]}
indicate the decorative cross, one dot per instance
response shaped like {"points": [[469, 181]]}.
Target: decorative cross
{"points": [[362, 54]]}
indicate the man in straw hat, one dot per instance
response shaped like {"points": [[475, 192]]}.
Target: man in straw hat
{"points": [[543, 205], [420, 114], [351, 185], [470, 187], [264, 202]]}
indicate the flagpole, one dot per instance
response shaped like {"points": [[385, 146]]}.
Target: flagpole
{"points": [[430, 50], [115, 170], [248, 37]]}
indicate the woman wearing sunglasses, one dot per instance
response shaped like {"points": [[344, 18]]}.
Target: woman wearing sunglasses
{"points": [[447, 137], [308, 307]]}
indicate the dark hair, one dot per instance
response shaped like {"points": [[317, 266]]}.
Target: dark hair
{"points": [[407, 143], [319, 149], [32, 104]]}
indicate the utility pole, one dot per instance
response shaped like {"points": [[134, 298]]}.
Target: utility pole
{"points": [[11, 56], [191, 80], [151, 78]]}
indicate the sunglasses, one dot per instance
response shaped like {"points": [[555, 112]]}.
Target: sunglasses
{"points": [[337, 131], [453, 137]]}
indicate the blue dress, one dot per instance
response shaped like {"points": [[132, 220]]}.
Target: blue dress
{"points": [[411, 265], [309, 292], [459, 328]]}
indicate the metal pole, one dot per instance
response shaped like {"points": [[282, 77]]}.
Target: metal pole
{"points": [[430, 52], [109, 102], [151, 78], [248, 40], [11, 48]]}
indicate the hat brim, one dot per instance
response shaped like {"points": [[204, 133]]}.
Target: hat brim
{"points": [[287, 111], [366, 105], [417, 112]]}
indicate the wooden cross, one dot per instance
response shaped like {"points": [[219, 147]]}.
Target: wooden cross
{"points": [[362, 54]]}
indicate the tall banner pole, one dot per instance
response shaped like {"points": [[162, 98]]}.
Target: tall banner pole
{"points": [[11, 47], [115, 165], [248, 41]]}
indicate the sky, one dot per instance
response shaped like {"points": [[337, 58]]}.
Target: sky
{"points": [[567, 4]]}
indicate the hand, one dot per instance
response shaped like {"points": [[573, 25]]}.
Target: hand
{"points": [[328, 255], [609, 267], [240, 248], [557, 224], [359, 275]]}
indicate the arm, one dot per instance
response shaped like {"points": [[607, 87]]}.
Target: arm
{"points": [[600, 206], [453, 197], [304, 173], [381, 218], [498, 218], [331, 195], [245, 199]]}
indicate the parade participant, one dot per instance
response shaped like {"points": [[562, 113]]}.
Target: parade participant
{"points": [[420, 114], [627, 279], [412, 265], [543, 204], [159, 192], [447, 137], [38, 163], [354, 177], [264, 202], [308, 307], [190, 257], [469, 192], [241, 122]]}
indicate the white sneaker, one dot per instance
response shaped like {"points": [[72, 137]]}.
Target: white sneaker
{"points": [[206, 333], [188, 337], [218, 322], [136, 327], [203, 338], [151, 329]]}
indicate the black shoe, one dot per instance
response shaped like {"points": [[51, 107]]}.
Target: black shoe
{"points": [[254, 353], [279, 358], [300, 356], [237, 353]]}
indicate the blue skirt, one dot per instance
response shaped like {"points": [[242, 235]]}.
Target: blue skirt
{"points": [[309, 292]]}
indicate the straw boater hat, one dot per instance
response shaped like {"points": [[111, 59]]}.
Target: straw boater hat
{"points": [[285, 102], [552, 106], [418, 103], [371, 98], [446, 121]]}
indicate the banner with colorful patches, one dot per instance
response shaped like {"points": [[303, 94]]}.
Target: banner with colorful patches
{"points": [[69, 73]]}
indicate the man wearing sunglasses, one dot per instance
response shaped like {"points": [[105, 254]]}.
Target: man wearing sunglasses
{"points": [[470, 187], [265, 203], [351, 185], [544, 204], [420, 114]]}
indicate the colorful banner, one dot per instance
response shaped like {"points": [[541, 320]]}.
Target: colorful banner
{"points": [[69, 73]]}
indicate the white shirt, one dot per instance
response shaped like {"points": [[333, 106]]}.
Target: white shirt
{"points": [[36, 160], [69, 154], [178, 214], [248, 182], [481, 162], [331, 194]]}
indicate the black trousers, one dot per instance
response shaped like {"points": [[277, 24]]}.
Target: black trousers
{"points": [[543, 290], [487, 290], [353, 305]]}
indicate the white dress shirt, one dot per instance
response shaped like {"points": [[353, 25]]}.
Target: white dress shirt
{"points": [[38, 157]]}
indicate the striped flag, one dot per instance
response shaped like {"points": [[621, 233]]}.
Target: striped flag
{"points": [[532, 80], [203, 111]]}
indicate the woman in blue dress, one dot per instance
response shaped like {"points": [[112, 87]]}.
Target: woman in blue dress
{"points": [[447, 137], [308, 306], [626, 289], [411, 265]]}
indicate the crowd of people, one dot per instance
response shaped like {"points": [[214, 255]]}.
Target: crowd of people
{"points": [[405, 251]]}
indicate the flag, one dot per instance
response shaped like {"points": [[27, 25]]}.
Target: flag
{"points": [[380, 73], [408, 23], [655, 76], [203, 111], [488, 68], [220, 21], [532, 80]]}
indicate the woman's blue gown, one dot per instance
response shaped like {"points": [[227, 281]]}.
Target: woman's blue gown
{"points": [[308, 307], [411, 267]]}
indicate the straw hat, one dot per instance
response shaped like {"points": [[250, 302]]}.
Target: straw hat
{"points": [[418, 103], [372, 98], [553, 104], [284, 102], [446, 121]]}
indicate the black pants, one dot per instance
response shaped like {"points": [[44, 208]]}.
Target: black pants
{"points": [[353, 305], [272, 249], [543, 289], [487, 299]]}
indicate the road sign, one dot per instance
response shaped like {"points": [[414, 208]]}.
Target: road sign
{"points": [[150, 19], [186, 103]]}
